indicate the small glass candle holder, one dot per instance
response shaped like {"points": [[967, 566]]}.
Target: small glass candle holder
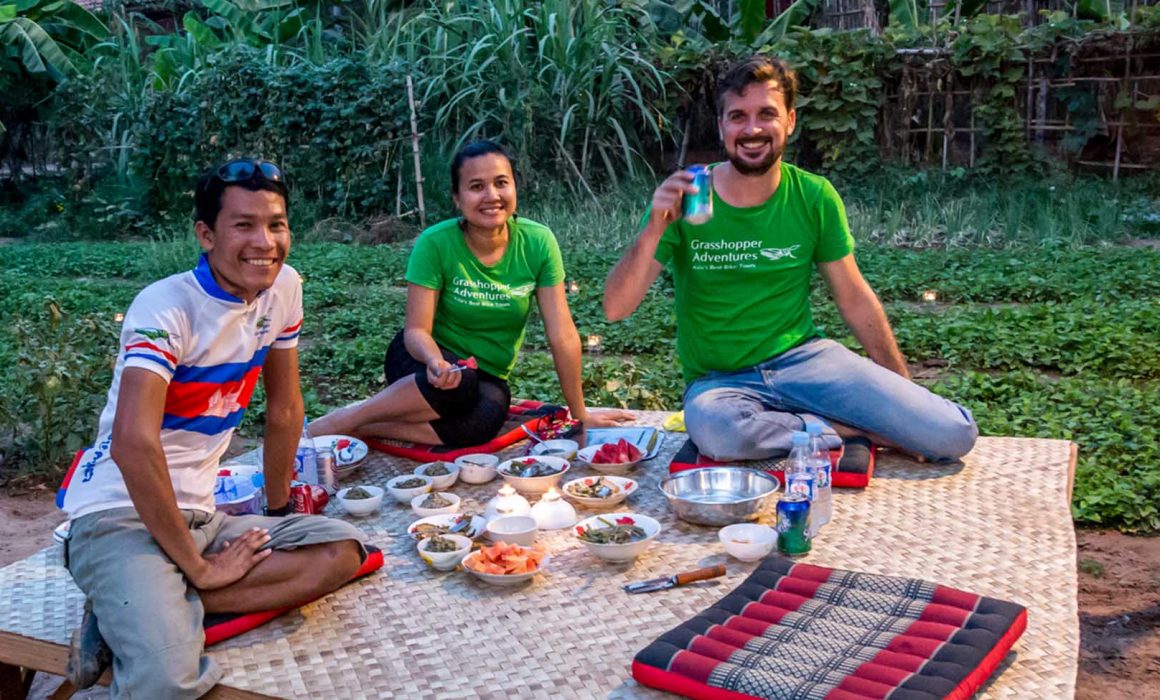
{"points": [[553, 512], [573, 287], [930, 296], [594, 344]]}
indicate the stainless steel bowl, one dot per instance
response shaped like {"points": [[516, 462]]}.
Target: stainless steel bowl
{"points": [[719, 495]]}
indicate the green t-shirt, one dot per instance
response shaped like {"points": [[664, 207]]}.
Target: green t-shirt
{"points": [[483, 310], [743, 277]]}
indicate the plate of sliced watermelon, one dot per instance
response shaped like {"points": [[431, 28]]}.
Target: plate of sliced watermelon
{"points": [[506, 564], [613, 458]]}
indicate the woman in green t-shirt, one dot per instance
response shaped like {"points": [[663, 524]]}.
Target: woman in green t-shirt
{"points": [[470, 286]]}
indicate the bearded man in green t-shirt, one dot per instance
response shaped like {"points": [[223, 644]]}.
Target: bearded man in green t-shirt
{"points": [[757, 367]]}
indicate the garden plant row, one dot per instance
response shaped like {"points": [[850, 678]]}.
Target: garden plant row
{"points": [[1045, 343]]}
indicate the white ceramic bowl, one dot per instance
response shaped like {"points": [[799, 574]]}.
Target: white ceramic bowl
{"points": [[404, 496], [445, 561], [502, 579], [478, 524], [439, 483], [556, 448], [624, 488], [360, 507], [619, 553], [516, 529], [748, 541], [534, 485], [418, 509], [620, 469], [477, 468]]}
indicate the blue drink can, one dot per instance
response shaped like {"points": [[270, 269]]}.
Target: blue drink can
{"points": [[698, 208], [793, 525]]}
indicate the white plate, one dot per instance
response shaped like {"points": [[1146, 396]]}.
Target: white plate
{"points": [[647, 439], [627, 488], [478, 524], [350, 450], [60, 534]]}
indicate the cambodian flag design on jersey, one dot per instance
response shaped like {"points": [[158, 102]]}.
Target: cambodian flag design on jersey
{"points": [[209, 346]]}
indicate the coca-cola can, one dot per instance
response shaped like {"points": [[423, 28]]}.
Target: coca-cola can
{"points": [[302, 497], [321, 497]]}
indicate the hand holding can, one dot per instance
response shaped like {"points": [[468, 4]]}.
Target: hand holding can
{"points": [[669, 195]]}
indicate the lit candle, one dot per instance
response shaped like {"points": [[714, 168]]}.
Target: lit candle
{"points": [[573, 287], [930, 296], [593, 343], [118, 317]]}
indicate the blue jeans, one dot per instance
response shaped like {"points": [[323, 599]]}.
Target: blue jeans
{"points": [[751, 413]]}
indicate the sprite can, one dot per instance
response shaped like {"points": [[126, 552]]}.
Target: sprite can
{"points": [[793, 525], [698, 208]]}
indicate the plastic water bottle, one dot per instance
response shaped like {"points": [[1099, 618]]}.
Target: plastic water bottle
{"points": [[820, 457], [799, 475], [258, 479], [306, 459]]}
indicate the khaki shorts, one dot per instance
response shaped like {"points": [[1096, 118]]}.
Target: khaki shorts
{"points": [[146, 610]]}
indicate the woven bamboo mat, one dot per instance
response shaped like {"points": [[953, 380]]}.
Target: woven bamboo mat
{"points": [[998, 525]]}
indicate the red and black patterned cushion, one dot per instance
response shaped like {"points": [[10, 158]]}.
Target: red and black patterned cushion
{"points": [[845, 475], [794, 631], [534, 415]]}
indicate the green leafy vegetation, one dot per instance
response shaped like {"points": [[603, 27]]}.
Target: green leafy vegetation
{"points": [[1038, 340], [1041, 321]]}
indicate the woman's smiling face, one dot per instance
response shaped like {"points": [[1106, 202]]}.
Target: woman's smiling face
{"points": [[487, 191]]}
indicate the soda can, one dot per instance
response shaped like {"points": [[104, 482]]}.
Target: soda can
{"points": [[698, 208], [793, 525], [302, 497], [327, 460]]}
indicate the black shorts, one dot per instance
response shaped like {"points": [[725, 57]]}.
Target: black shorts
{"points": [[471, 413]]}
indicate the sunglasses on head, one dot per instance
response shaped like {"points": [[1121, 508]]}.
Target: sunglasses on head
{"points": [[243, 170]]}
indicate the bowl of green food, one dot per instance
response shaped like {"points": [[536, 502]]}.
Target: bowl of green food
{"points": [[361, 501], [443, 474], [406, 486], [434, 503], [444, 552], [618, 537]]}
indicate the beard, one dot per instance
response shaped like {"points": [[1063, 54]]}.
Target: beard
{"points": [[762, 167]]}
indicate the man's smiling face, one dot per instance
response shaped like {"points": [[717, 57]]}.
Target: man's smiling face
{"points": [[248, 243], [755, 125]]}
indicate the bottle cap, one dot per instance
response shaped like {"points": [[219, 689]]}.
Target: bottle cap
{"points": [[814, 428], [800, 438]]}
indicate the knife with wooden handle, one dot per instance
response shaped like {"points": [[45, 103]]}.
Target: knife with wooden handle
{"points": [[685, 577]]}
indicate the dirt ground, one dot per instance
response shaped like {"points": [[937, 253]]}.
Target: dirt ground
{"points": [[1119, 614], [1119, 600]]}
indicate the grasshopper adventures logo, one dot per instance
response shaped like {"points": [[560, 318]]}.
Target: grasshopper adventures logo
{"points": [[779, 253], [487, 293], [156, 335], [736, 255], [523, 290], [262, 327]]}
